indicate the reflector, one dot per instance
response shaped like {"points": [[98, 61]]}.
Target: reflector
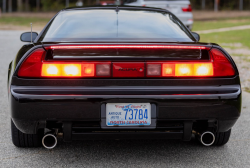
{"points": [[222, 66], [153, 69], [103, 70], [31, 67]]}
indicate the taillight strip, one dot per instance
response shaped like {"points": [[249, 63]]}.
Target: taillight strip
{"points": [[127, 46], [35, 66]]}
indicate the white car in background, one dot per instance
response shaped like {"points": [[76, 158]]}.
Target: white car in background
{"points": [[180, 8]]}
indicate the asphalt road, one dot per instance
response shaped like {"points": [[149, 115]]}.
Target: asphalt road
{"points": [[132, 153]]}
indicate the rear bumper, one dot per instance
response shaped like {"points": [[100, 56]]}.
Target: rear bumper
{"points": [[36, 107]]}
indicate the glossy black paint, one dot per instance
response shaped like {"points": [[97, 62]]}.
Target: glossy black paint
{"points": [[50, 103]]}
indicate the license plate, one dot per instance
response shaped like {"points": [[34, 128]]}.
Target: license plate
{"points": [[128, 114]]}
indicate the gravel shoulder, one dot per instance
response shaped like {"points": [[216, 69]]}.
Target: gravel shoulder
{"points": [[241, 57]]}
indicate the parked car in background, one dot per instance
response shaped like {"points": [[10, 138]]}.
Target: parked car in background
{"points": [[181, 8]]}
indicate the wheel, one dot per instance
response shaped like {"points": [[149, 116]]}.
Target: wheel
{"points": [[222, 138], [20, 139]]}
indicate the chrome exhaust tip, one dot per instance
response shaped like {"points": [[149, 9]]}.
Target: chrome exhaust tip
{"points": [[49, 141], [207, 138]]}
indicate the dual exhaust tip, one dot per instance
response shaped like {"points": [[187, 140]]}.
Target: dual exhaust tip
{"points": [[49, 140], [207, 138]]}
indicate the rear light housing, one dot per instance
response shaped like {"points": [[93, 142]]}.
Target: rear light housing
{"points": [[222, 66], [181, 69], [188, 9], [36, 66]]}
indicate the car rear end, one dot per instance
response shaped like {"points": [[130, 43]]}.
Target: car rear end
{"points": [[125, 90], [87, 98]]}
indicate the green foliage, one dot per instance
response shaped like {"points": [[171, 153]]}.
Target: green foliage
{"points": [[23, 21]]}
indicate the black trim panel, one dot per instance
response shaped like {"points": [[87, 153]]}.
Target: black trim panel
{"points": [[126, 82]]}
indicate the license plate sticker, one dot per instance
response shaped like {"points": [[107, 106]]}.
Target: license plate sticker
{"points": [[128, 114]]}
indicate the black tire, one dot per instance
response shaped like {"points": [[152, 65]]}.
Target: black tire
{"points": [[20, 139], [222, 138]]}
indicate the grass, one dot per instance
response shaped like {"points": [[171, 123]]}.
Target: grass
{"points": [[236, 36], [247, 89], [207, 25], [23, 21]]}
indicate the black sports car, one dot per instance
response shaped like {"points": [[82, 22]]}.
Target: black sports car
{"points": [[121, 73]]}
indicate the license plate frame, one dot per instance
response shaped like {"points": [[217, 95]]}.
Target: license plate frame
{"points": [[128, 115]]}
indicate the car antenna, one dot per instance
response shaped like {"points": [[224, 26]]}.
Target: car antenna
{"points": [[31, 33], [117, 9]]}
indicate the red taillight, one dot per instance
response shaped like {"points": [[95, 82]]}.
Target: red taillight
{"points": [[188, 9], [79, 69], [180, 69], [32, 66], [35, 65], [62, 70], [222, 66]]}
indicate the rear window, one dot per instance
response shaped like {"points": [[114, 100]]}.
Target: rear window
{"points": [[109, 25]]}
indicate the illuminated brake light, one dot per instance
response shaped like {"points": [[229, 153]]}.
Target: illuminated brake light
{"points": [[187, 69], [51, 70], [168, 69], [184, 69], [203, 69], [88, 70], [62, 70], [127, 46], [71, 70]]}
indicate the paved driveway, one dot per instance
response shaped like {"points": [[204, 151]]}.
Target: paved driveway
{"points": [[132, 153]]}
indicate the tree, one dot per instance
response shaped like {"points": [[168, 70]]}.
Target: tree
{"points": [[26, 5], [10, 6], [37, 5], [19, 5]]}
